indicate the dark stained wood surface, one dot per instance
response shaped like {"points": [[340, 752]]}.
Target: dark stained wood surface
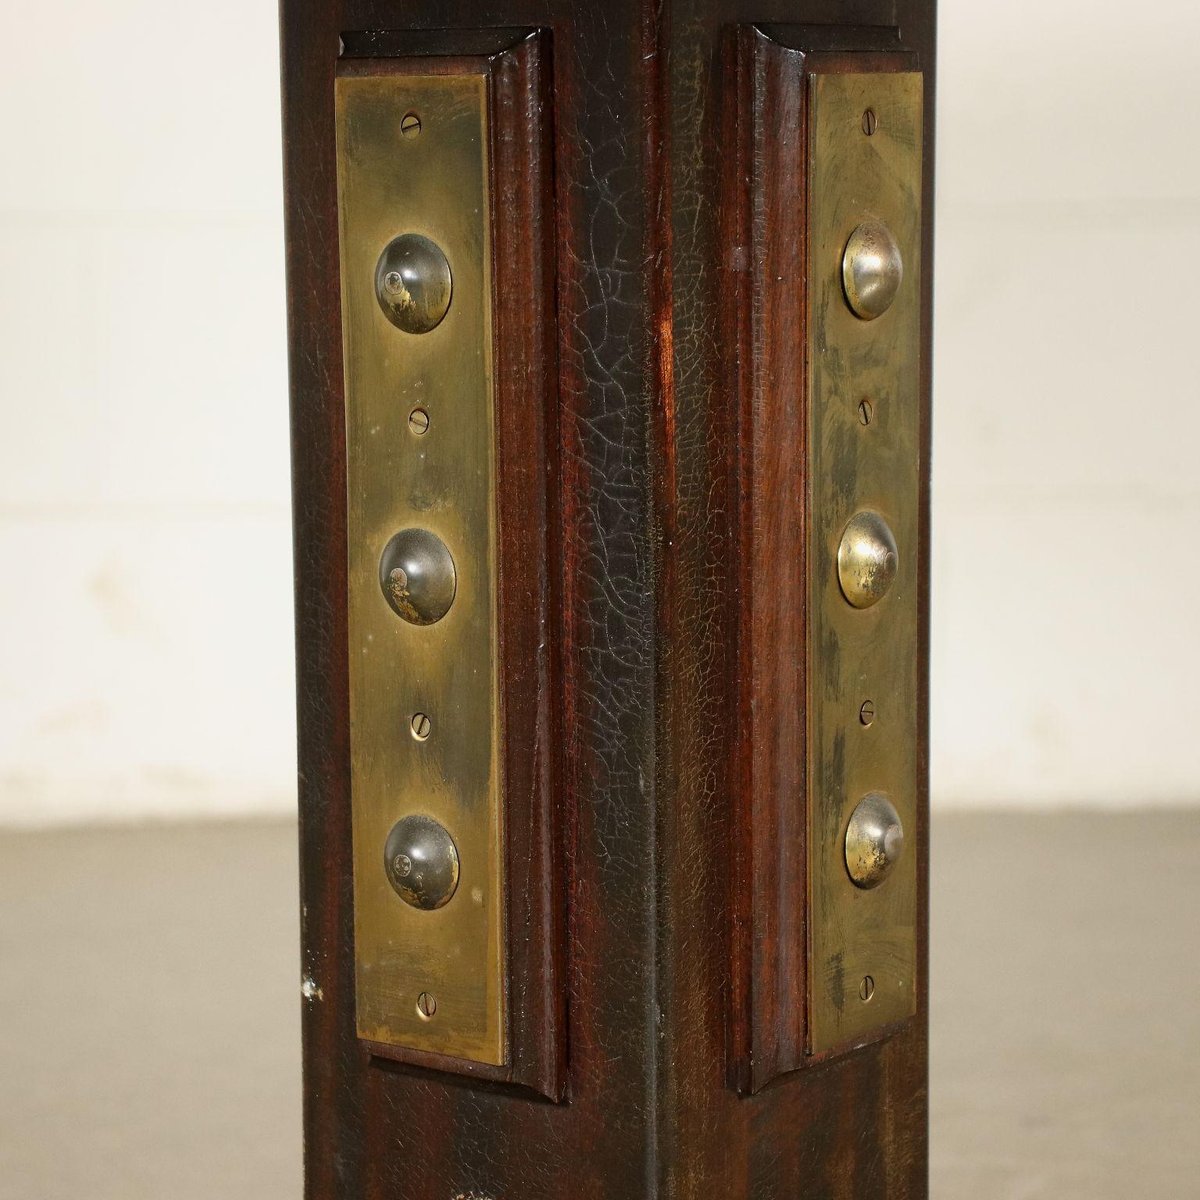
{"points": [[764, 289], [526, 333], [643, 584], [855, 1126]]}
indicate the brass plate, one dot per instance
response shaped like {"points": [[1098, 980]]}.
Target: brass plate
{"points": [[434, 183], [860, 654]]}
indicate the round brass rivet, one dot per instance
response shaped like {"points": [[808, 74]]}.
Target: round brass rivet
{"points": [[417, 576], [426, 1006], [413, 284], [866, 559], [871, 270], [874, 840], [421, 862]]}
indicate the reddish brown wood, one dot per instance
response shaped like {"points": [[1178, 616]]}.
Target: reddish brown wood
{"points": [[641, 568], [767, 220], [526, 336], [765, 206], [855, 1125]]}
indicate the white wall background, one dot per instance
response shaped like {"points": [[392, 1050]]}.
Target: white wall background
{"points": [[1067, 427], [144, 535], [144, 525]]}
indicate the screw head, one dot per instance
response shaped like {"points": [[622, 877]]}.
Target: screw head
{"points": [[866, 713], [426, 1006], [410, 125], [866, 410], [866, 989], [872, 269], [418, 421], [867, 559], [413, 283], [417, 576], [874, 840], [420, 726], [870, 122], [421, 862]]}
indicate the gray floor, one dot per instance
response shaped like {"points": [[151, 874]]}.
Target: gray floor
{"points": [[149, 1011]]}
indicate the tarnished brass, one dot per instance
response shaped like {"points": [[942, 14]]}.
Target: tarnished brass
{"points": [[420, 435], [421, 861], [866, 559], [874, 840], [413, 282], [416, 573], [867, 467], [872, 270]]}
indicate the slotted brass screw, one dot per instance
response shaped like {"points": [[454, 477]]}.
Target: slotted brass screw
{"points": [[866, 989], [418, 421], [866, 410], [426, 1005], [866, 714], [870, 122], [410, 125], [421, 726]]}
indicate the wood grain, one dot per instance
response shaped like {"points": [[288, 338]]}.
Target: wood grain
{"points": [[765, 206], [642, 608]]}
